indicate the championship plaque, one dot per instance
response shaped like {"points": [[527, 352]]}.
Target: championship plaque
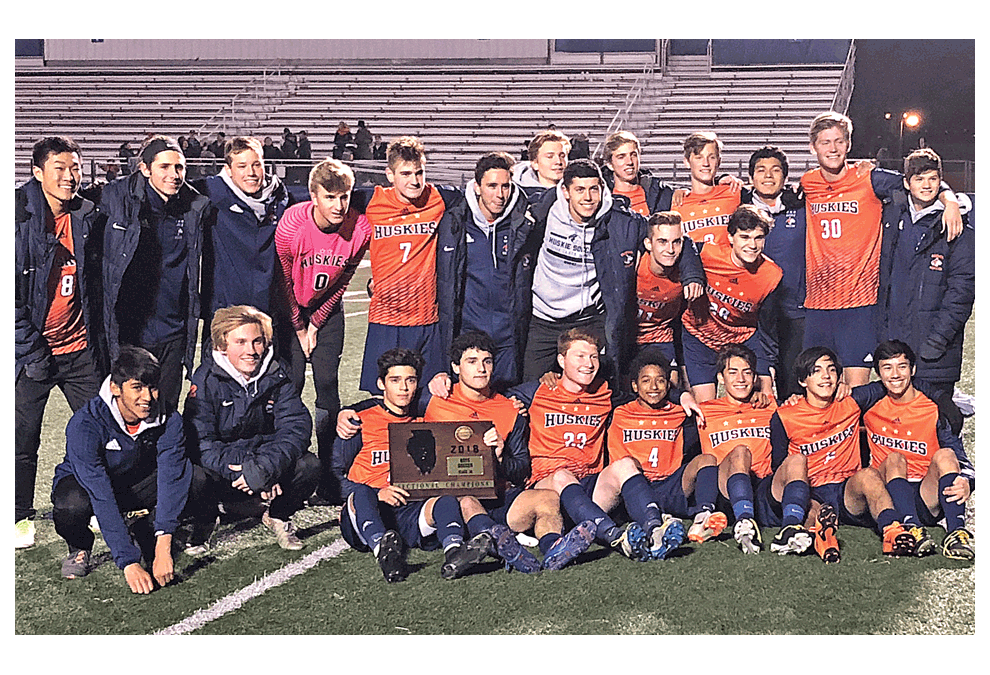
{"points": [[429, 459]]}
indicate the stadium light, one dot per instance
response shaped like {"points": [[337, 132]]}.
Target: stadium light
{"points": [[913, 120]]}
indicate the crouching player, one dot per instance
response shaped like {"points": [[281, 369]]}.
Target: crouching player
{"points": [[125, 458], [378, 516], [567, 445], [737, 436], [927, 473], [826, 432], [517, 510]]}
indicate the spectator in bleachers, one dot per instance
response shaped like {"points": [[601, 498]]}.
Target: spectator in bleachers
{"points": [[152, 238], [342, 139], [219, 144], [113, 171], [128, 155], [380, 149], [362, 141], [305, 150], [289, 146], [547, 159], [270, 149], [195, 149], [580, 148]]}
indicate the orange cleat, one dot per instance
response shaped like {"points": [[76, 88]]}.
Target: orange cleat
{"points": [[707, 525], [897, 541], [825, 530]]}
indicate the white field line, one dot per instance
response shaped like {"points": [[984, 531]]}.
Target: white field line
{"points": [[267, 582]]}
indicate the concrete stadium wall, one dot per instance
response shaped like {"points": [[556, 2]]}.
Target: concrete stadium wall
{"points": [[268, 51]]}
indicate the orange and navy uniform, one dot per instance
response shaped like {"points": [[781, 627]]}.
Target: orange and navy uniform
{"points": [[637, 199], [653, 437], [704, 216], [364, 458], [404, 258], [907, 428], [65, 326], [730, 308], [828, 437], [730, 423], [844, 236], [661, 301], [514, 465], [566, 431]]}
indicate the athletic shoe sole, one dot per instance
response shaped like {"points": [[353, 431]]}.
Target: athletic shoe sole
{"points": [[570, 546], [674, 535]]}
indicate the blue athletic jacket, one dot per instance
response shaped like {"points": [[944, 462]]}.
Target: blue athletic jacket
{"points": [[105, 459]]}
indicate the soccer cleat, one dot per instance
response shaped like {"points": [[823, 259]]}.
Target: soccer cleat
{"points": [[392, 558], [197, 540], [792, 539], [666, 537], [94, 525], [459, 559], [632, 542], [570, 546], [707, 525], [511, 552], [923, 543], [897, 541], [284, 531], [958, 545], [24, 533], [747, 534], [825, 529], [76, 564]]}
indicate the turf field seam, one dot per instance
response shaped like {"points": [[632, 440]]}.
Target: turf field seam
{"points": [[234, 601]]}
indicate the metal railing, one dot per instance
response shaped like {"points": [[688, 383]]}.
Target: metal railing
{"points": [[621, 115], [844, 92]]}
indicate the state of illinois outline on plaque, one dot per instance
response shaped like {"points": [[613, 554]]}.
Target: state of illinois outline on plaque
{"points": [[428, 459]]}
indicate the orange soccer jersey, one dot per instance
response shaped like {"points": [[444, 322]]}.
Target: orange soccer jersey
{"points": [[567, 431], [371, 465], [661, 301], [652, 437], [729, 424], [828, 437], [404, 258], [637, 200], [907, 428], [65, 327], [704, 216], [843, 242], [730, 308], [456, 408]]}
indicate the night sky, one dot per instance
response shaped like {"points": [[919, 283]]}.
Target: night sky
{"points": [[935, 77]]}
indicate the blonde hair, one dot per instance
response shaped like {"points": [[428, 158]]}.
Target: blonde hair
{"points": [[231, 318], [332, 175], [828, 120], [616, 141]]}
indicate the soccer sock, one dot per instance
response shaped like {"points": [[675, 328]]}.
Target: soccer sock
{"points": [[479, 523], [547, 541], [706, 488], [886, 517], [579, 507], [450, 526], [740, 490], [903, 497], [641, 503], [955, 512], [795, 502], [371, 528]]}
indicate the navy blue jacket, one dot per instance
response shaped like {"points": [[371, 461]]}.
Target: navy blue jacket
{"points": [[658, 193], [240, 266], [120, 209], [785, 245], [264, 426], [618, 235], [34, 251], [935, 291], [105, 460]]}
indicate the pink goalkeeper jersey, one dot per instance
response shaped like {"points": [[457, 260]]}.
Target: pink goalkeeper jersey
{"points": [[317, 266]]}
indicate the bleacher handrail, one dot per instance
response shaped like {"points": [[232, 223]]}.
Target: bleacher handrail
{"points": [[843, 93], [622, 114]]}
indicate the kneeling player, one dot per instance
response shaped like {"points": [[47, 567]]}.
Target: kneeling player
{"points": [[826, 432], [921, 461], [517, 509], [737, 435], [378, 516]]}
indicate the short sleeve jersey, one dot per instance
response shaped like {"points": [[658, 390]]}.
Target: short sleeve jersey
{"points": [[65, 327], [730, 308], [652, 437], [907, 428], [842, 242], [730, 423], [661, 301], [637, 200], [404, 258], [497, 409], [371, 465], [704, 216], [828, 437], [567, 431]]}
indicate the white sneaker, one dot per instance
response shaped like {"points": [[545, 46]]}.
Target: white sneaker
{"points": [[94, 525], [24, 533], [284, 531]]}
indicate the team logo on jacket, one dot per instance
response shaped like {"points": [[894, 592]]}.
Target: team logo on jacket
{"points": [[789, 219], [113, 444], [270, 406], [628, 258], [937, 260], [192, 391], [527, 260], [179, 224]]}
